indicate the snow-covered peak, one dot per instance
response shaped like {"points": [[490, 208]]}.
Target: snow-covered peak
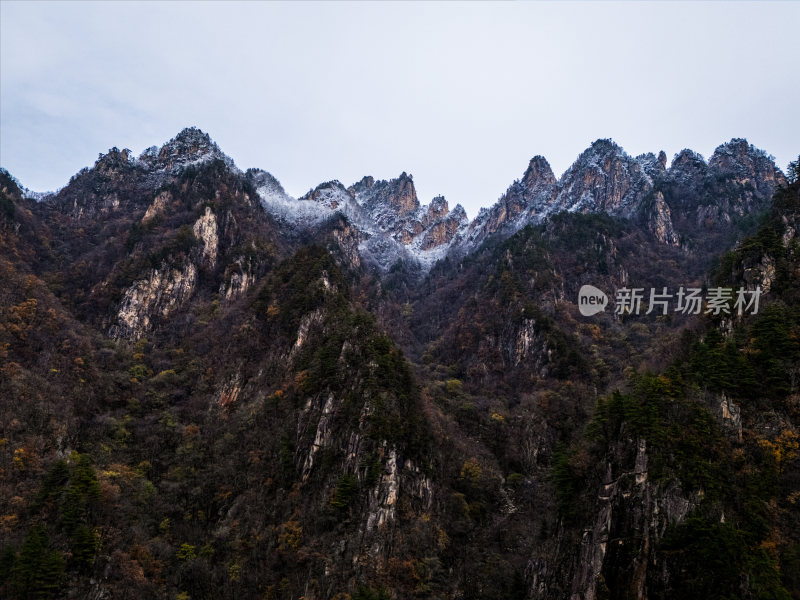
{"points": [[526, 200], [266, 182], [742, 160], [393, 226], [192, 136], [599, 151], [459, 213], [420, 238], [331, 194], [687, 156], [654, 166], [688, 168], [386, 202], [191, 146], [603, 179], [438, 208], [538, 174]]}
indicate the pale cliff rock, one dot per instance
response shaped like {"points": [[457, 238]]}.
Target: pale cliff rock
{"points": [[730, 415], [760, 274], [158, 206], [347, 239], [659, 221], [322, 436], [205, 229], [154, 297], [383, 498]]}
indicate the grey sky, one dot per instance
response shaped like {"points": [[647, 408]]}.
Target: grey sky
{"points": [[459, 95]]}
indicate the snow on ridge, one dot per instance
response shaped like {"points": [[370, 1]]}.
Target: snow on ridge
{"points": [[190, 147], [312, 209], [384, 229], [291, 210]]}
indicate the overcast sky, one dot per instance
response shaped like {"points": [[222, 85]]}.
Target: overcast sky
{"points": [[459, 95]]}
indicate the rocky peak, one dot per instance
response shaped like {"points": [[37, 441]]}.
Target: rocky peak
{"points": [[654, 166], [391, 223], [603, 179], [745, 163], [442, 231], [191, 141], [410, 227], [396, 195], [687, 174], [526, 200], [710, 199], [730, 156], [113, 160], [459, 213], [688, 165], [330, 194], [190, 146], [365, 184], [538, 174], [601, 151], [438, 208]]}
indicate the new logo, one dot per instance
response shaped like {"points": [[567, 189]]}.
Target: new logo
{"points": [[591, 300]]}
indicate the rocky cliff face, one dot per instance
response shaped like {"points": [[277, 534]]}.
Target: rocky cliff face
{"points": [[603, 179], [526, 201], [155, 297], [658, 219], [386, 202], [746, 166]]}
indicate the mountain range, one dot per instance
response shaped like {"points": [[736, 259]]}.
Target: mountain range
{"points": [[393, 226], [211, 389]]}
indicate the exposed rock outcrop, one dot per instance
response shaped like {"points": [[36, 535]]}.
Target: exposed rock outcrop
{"points": [[659, 221], [603, 179], [155, 297], [526, 200], [205, 229], [159, 205]]}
